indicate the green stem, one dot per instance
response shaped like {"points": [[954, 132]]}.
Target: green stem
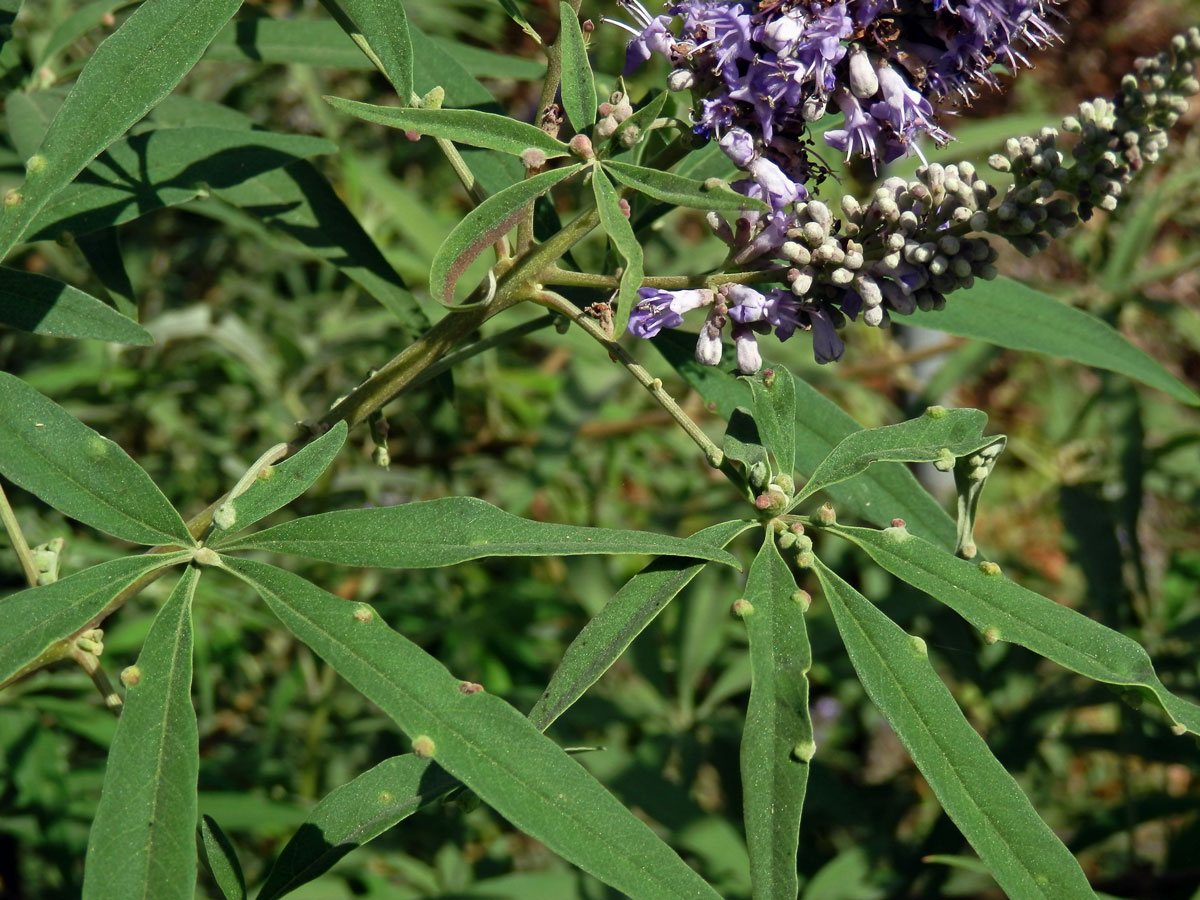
{"points": [[17, 536], [450, 360], [565, 277], [712, 453]]}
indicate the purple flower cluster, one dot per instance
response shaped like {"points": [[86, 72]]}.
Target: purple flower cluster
{"points": [[760, 73], [773, 67]]}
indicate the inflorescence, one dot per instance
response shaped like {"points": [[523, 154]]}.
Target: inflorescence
{"points": [[762, 72]]}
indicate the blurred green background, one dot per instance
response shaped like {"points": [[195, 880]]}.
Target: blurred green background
{"points": [[1095, 503]]}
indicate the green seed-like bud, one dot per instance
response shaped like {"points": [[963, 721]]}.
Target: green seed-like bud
{"points": [[363, 613], [804, 751], [805, 560], [206, 556], [918, 645], [803, 599], [130, 676], [826, 515], [990, 635], [743, 608], [989, 568]]}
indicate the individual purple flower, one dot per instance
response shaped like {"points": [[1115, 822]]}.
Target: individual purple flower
{"points": [[649, 38], [658, 309]]}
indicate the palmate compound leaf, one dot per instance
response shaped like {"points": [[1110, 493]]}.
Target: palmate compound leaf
{"points": [[131, 71], [32, 621], [882, 493], [463, 126], [381, 797], [42, 305], [982, 799], [79, 472], [1009, 314], [277, 486], [443, 532], [479, 739], [483, 226], [777, 740], [142, 845], [1003, 610], [938, 434]]}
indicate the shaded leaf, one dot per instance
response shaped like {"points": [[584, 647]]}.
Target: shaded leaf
{"points": [[610, 632], [383, 26], [142, 843], [32, 621], [79, 472], [774, 393], [1005, 611], [279, 485], [679, 191], [1009, 314], [937, 434], [452, 530], [777, 740], [8, 12], [353, 814], [616, 224], [983, 800], [578, 85], [971, 471], [481, 740], [124, 78], [46, 306], [514, 13], [464, 126], [221, 859], [483, 226]]}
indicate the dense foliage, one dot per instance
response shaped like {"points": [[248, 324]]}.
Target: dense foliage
{"points": [[399, 553]]}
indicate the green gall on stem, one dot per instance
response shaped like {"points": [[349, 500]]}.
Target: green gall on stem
{"points": [[423, 746], [803, 599], [364, 614], [989, 568], [936, 412], [804, 751], [130, 676], [826, 515], [743, 608]]}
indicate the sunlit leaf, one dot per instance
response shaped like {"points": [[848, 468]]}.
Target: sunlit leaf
{"points": [[615, 221], [578, 85]]}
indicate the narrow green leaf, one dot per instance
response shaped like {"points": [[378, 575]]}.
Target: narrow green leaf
{"points": [[167, 167], [744, 445], [774, 393], [142, 843], [610, 632], [578, 85], [43, 305], [75, 26], [680, 191], [125, 77], [383, 27], [353, 814], [641, 118], [880, 494], [305, 42], [938, 434], [102, 250], [1009, 314], [279, 485], [32, 621], [49, 452], [483, 226], [981, 798], [971, 471], [221, 859], [616, 224], [464, 126], [777, 740], [516, 15], [1005, 611], [481, 740], [452, 530]]}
